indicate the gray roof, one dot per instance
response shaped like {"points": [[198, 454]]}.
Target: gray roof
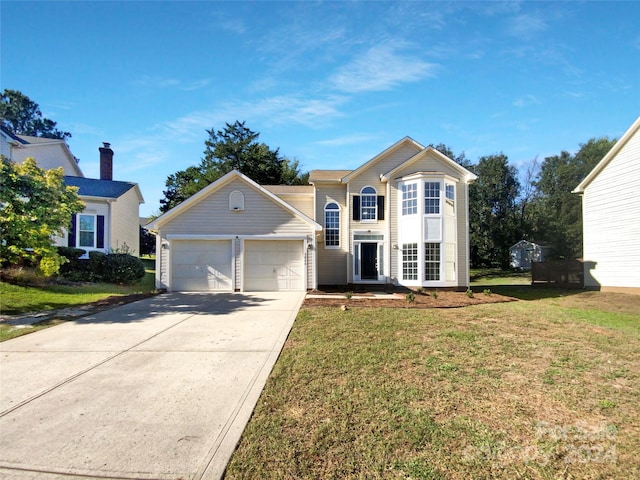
{"points": [[94, 187]]}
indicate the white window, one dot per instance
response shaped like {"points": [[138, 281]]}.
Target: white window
{"points": [[431, 262], [368, 204], [450, 192], [332, 225], [236, 201], [87, 231], [432, 198], [409, 199], [410, 261]]}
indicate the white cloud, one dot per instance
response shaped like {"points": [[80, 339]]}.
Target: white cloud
{"points": [[526, 25], [150, 81], [382, 67], [346, 140], [526, 101]]}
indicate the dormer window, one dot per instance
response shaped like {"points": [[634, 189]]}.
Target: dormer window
{"points": [[236, 201]]}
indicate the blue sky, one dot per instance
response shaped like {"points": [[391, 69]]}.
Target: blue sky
{"points": [[330, 83]]}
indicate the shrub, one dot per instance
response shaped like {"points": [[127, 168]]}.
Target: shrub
{"points": [[77, 269], [410, 297], [469, 293], [348, 295], [487, 291], [435, 294], [121, 268], [420, 290]]}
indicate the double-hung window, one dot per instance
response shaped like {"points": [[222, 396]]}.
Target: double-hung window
{"points": [[431, 261], [368, 204], [409, 198], [432, 198], [87, 231], [332, 225]]}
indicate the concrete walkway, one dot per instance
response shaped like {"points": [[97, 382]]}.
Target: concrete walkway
{"points": [[157, 389]]}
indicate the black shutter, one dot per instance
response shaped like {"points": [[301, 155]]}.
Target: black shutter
{"points": [[356, 207], [100, 232], [71, 237], [380, 207]]}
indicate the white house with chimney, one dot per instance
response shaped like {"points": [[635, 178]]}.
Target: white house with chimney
{"points": [[110, 219]]}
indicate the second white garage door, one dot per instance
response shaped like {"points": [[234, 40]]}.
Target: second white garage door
{"points": [[201, 265], [274, 265]]}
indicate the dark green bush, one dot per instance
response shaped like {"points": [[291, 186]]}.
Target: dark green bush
{"points": [[121, 268], [77, 269]]}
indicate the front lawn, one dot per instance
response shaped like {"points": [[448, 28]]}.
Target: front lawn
{"points": [[534, 389], [17, 299]]}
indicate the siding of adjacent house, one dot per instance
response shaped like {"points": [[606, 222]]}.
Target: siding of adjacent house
{"points": [[125, 228], [211, 216], [48, 156], [611, 217], [92, 207], [332, 262]]}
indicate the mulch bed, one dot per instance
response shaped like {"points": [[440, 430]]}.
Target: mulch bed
{"points": [[446, 299]]}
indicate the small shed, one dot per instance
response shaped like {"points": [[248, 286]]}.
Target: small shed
{"points": [[526, 252]]}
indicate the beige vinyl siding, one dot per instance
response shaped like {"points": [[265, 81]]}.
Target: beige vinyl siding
{"points": [[332, 262], [611, 206], [48, 156], [302, 203], [125, 222], [261, 216]]}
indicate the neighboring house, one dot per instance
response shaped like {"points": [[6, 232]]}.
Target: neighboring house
{"points": [[48, 152], [524, 253], [400, 219], [611, 217], [110, 219]]}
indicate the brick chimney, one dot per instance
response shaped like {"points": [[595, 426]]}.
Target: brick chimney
{"points": [[106, 162]]}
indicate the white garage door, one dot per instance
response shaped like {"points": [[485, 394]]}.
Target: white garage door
{"points": [[201, 265], [274, 265]]}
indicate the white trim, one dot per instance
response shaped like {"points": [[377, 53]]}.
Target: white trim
{"points": [[384, 242], [608, 157], [468, 176], [339, 210]]}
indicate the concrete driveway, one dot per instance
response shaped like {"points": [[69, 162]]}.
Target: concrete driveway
{"points": [[157, 389]]}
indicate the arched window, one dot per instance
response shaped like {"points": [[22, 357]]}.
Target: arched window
{"points": [[236, 201], [332, 225], [368, 204]]}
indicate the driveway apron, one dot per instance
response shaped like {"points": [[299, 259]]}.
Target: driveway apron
{"points": [[157, 389]]}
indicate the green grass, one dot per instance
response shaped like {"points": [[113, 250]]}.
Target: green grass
{"points": [[536, 389], [16, 299]]}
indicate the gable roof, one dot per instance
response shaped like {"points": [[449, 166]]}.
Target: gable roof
{"points": [[212, 188], [466, 174], [633, 129], [93, 187], [406, 141]]}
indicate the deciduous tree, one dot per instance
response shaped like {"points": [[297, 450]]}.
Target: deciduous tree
{"points": [[35, 205]]}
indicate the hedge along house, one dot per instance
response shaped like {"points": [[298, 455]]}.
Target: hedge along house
{"points": [[400, 219], [237, 235]]}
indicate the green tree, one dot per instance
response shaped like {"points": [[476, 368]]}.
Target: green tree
{"points": [[234, 147], [557, 212], [21, 115], [35, 205], [493, 211]]}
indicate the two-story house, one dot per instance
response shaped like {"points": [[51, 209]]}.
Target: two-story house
{"points": [[400, 219], [110, 219]]}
